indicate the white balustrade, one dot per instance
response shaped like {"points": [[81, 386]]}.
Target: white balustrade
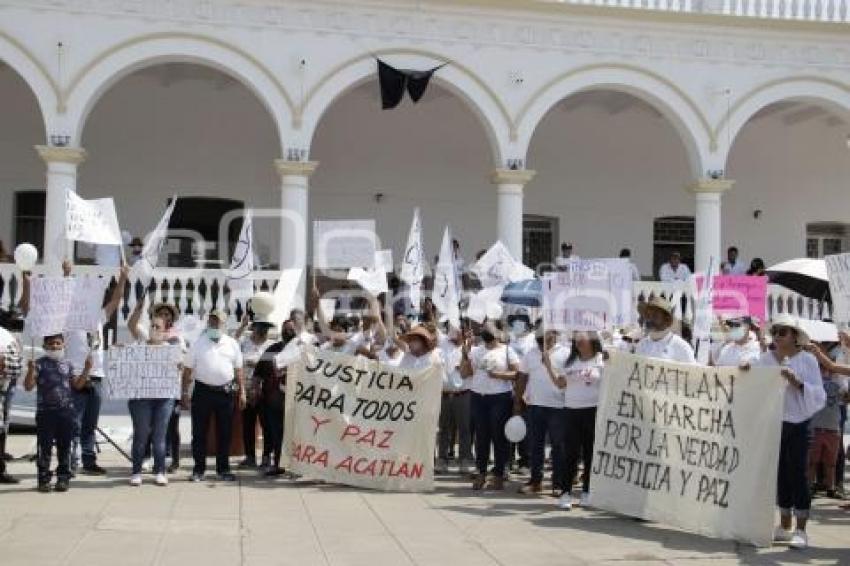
{"points": [[835, 11]]}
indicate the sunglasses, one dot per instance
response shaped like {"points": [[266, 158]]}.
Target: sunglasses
{"points": [[781, 331]]}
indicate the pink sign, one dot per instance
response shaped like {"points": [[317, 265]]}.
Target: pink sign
{"points": [[738, 295]]}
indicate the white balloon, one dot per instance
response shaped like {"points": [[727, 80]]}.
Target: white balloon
{"points": [[25, 256], [515, 429]]}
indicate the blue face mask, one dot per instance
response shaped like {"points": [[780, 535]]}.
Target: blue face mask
{"points": [[214, 334]]}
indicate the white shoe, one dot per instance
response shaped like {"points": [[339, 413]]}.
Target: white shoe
{"points": [[782, 535], [161, 479], [565, 502], [585, 499], [136, 480], [800, 540]]}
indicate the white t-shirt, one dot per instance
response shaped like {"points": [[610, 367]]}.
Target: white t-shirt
{"points": [[349, 347], [541, 391], [452, 357], [799, 405], [583, 380], [737, 268], [409, 361], [733, 354], [672, 347], [484, 360], [667, 273], [388, 360], [213, 363], [523, 343], [635, 271], [251, 352]]}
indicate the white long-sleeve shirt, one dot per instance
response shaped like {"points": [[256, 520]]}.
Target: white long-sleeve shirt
{"points": [[672, 347], [800, 405], [681, 273]]}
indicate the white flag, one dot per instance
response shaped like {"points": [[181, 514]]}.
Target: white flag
{"points": [[413, 262], [144, 268], [499, 267], [445, 295], [704, 316], [93, 221], [242, 264]]}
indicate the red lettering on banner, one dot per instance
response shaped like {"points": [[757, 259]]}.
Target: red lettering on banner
{"points": [[350, 430], [318, 423], [385, 442]]}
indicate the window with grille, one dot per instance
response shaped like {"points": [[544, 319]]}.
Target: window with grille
{"points": [[827, 238], [672, 234]]}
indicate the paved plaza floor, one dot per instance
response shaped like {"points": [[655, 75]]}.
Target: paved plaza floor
{"points": [[259, 522]]}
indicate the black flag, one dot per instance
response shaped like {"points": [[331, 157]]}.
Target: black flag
{"points": [[394, 81]]}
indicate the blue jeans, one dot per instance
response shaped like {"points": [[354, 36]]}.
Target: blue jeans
{"points": [[150, 421], [87, 407], [490, 413], [542, 421]]}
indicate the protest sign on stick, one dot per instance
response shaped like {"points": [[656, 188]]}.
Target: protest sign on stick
{"points": [[591, 294], [143, 371], [838, 269], [93, 221], [737, 295], [354, 421], [688, 445], [343, 244], [59, 304]]}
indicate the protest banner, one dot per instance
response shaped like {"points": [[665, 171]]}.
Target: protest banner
{"points": [[838, 269], [343, 244], [590, 294], [92, 221], [354, 421], [143, 371], [689, 445], [737, 295], [59, 304]]}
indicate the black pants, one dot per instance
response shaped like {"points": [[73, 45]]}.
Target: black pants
{"points": [[272, 431], [579, 430], [172, 435], [490, 413], [54, 426], [792, 484], [206, 402], [250, 415], [542, 421]]}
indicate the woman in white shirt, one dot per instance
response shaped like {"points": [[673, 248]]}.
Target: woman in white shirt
{"points": [[580, 378], [804, 396], [544, 397], [743, 346], [493, 368]]}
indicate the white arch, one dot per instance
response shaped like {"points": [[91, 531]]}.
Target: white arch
{"points": [[658, 91], [97, 76], [455, 77], [34, 74], [826, 92]]}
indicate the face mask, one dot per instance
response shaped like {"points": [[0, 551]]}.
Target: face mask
{"points": [[737, 334], [658, 334], [214, 334], [55, 355], [487, 336], [518, 327]]}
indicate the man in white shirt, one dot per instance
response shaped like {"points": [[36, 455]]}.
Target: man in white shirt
{"points": [[566, 256], [674, 270], [743, 346], [626, 253], [660, 341], [733, 265], [455, 408], [214, 364]]}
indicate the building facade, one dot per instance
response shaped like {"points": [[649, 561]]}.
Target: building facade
{"points": [[653, 125]]}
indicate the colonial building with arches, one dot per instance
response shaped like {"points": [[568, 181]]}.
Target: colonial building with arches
{"points": [[648, 124]]}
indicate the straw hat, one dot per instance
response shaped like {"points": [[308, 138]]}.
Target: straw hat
{"points": [[793, 323], [658, 303], [175, 312], [422, 333], [262, 304]]}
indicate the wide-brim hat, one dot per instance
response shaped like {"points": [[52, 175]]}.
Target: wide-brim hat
{"points": [[658, 303], [262, 305], [175, 312], [422, 333], [793, 323], [218, 313]]}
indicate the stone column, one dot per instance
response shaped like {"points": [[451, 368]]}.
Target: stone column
{"points": [[509, 188], [708, 238], [62, 163], [294, 220]]}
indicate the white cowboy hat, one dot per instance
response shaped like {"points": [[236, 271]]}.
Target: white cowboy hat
{"points": [[793, 323], [263, 304], [659, 303]]}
